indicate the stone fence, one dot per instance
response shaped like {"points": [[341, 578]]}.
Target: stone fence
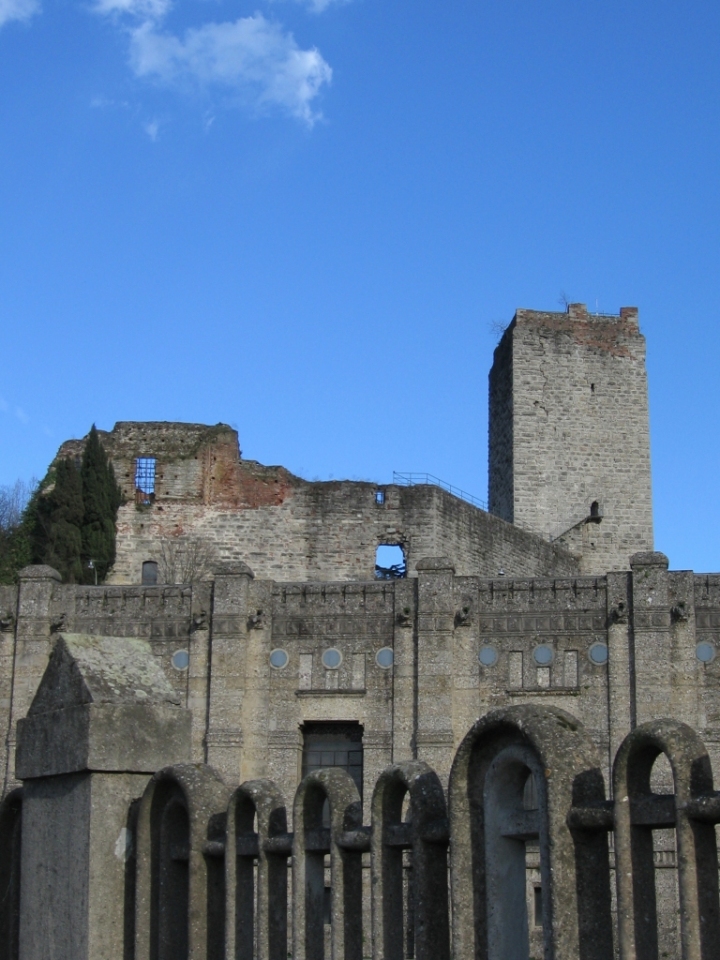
{"points": [[205, 869]]}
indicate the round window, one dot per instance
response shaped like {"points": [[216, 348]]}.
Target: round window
{"points": [[181, 660], [385, 658], [705, 652], [332, 659], [488, 656], [279, 659], [598, 653], [543, 655]]}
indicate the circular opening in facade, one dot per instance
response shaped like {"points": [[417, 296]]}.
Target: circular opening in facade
{"points": [[543, 655], [385, 658], [705, 652], [488, 656], [181, 660], [279, 659], [598, 653], [332, 659]]}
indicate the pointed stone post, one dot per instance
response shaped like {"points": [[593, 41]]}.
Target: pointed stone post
{"points": [[104, 718]]}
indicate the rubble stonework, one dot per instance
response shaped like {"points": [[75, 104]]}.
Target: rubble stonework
{"points": [[184, 691]]}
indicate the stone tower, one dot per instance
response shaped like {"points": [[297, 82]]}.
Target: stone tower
{"points": [[569, 436]]}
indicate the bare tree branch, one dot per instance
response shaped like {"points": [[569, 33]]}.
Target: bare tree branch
{"points": [[185, 559]]}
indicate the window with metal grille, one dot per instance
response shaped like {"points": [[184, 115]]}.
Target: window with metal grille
{"points": [[145, 479], [328, 744]]}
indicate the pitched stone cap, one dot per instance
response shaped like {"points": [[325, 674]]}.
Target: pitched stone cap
{"points": [[103, 704], [649, 559], [40, 571], [90, 669], [234, 569], [435, 565]]}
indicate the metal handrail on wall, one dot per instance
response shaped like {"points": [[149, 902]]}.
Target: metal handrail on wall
{"points": [[411, 479]]}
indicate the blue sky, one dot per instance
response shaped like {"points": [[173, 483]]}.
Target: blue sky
{"points": [[307, 219]]}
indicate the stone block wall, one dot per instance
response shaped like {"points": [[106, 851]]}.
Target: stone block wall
{"points": [[569, 428]]}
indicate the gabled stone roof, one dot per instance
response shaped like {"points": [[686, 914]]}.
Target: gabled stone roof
{"points": [[112, 670]]}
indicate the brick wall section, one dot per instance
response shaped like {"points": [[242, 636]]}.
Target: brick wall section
{"points": [[578, 431]]}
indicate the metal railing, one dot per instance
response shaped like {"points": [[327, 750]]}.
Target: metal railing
{"points": [[411, 479]]}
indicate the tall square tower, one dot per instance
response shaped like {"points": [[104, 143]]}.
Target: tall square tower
{"points": [[569, 433]]}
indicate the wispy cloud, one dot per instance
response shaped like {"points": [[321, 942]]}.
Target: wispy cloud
{"points": [[253, 57], [17, 10], [142, 9], [152, 129], [317, 6], [21, 415]]}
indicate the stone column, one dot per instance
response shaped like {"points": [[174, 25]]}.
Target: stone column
{"points": [[229, 637], [621, 689], [652, 641], [436, 616]]}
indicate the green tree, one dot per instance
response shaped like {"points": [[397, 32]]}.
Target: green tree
{"points": [[58, 523], [101, 499], [68, 521]]}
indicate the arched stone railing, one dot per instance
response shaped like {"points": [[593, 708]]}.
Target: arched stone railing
{"points": [[344, 840], [490, 825], [180, 891], [426, 835], [257, 919], [692, 810], [209, 872]]}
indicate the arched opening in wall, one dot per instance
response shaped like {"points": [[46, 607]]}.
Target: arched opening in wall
{"points": [[149, 573], [246, 839], [595, 510], [408, 884], [390, 562], [169, 916], [513, 859], [145, 480], [664, 854]]}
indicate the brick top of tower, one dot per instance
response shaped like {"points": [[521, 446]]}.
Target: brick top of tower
{"points": [[607, 332]]}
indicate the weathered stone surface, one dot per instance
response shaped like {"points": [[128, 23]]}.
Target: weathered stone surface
{"points": [[103, 704], [569, 437]]}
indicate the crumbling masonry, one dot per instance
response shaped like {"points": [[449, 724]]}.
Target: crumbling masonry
{"points": [[244, 653]]}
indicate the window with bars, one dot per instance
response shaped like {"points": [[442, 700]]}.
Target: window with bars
{"points": [[145, 479], [327, 744]]}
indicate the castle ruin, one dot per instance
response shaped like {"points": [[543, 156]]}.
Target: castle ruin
{"points": [[247, 636]]}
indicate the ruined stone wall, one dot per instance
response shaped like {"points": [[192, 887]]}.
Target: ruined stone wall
{"points": [[578, 430], [331, 531]]}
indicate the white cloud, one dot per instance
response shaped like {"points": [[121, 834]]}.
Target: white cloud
{"points": [[251, 56], [21, 415], [317, 6], [143, 9], [152, 129], [17, 10]]}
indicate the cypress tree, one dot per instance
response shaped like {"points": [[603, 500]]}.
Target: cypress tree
{"points": [[101, 499], [59, 518]]}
